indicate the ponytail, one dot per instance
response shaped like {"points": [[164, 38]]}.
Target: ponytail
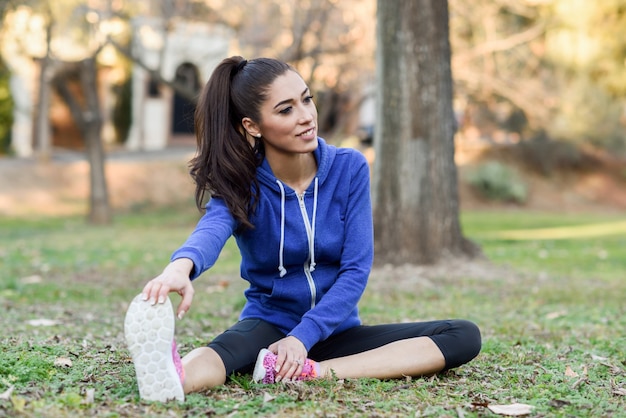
{"points": [[225, 162]]}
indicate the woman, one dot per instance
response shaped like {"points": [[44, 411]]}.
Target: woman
{"points": [[300, 212]]}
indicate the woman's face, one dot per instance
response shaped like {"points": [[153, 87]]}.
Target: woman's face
{"points": [[288, 117]]}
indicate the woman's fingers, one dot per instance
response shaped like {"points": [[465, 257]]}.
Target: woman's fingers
{"points": [[185, 303]]}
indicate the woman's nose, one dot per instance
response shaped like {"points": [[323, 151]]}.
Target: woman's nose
{"points": [[307, 115]]}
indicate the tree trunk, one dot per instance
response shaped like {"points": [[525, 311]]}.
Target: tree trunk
{"points": [[43, 141], [416, 204], [99, 210], [88, 117]]}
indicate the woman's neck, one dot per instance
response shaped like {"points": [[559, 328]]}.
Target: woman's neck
{"points": [[296, 170]]}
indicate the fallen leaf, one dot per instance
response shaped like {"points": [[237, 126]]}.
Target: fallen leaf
{"points": [[6, 395], [89, 396], [569, 372], [63, 362], [267, 397], [43, 322], [34, 279], [555, 315], [513, 410], [598, 358]]}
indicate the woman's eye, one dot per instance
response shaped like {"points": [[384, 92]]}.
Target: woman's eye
{"points": [[308, 99], [286, 110]]}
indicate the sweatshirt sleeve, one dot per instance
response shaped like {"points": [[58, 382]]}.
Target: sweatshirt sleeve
{"points": [[205, 243], [355, 264]]}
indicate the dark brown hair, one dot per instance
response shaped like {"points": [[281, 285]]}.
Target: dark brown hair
{"points": [[225, 163]]}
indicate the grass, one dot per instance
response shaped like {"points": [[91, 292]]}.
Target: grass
{"points": [[551, 310]]}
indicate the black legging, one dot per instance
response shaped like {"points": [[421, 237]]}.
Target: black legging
{"points": [[458, 340]]}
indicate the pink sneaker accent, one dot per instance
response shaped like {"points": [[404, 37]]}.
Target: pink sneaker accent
{"points": [[178, 363], [265, 368]]}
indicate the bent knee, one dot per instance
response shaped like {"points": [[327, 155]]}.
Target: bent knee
{"points": [[471, 337], [460, 343]]}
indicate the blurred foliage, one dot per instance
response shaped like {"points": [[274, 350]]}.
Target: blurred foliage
{"points": [[6, 109], [546, 156], [588, 49], [521, 68], [495, 181], [553, 67]]}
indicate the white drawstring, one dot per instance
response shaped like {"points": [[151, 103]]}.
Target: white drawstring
{"points": [[312, 237], [281, 267]]}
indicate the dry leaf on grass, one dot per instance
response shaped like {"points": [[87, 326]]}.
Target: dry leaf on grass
{"points": [[267, 397], [43, 322], [512, 410], [569, 372], [555, 315], [63, 362], [89, 396], [34, 279], [6, 395]]}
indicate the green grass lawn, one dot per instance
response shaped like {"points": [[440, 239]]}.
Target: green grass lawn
{"points": [[552, 310]]}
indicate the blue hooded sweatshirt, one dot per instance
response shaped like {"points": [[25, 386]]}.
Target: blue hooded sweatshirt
{"points": [[309, 257]]}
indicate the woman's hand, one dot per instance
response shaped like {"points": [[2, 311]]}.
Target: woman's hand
{"points": [[175, 278], [291, 356]]}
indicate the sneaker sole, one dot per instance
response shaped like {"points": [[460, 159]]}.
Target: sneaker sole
{"points": [[149, 332], [259, 370]]}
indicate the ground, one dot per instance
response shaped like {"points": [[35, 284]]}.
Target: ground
{"points": [[60, 186]]}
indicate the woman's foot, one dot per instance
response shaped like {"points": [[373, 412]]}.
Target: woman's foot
{"points": [[265, 368], [149, 332]]}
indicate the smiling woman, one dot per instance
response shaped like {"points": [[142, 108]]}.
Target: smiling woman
{"points": [[301, 215]]}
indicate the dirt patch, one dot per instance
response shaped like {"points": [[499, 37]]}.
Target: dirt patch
{"points": [[61, 186]]}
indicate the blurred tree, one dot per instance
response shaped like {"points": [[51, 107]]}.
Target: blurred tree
{"points": [[586, 47], [416, 204], [330, 42], [42, 135], [85, 109], [497, 63], [542, 69]]}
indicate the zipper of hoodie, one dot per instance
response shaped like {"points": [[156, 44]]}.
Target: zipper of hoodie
{"points": [[306, 268]]}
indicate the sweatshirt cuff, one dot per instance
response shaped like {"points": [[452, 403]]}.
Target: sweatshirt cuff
{"points": [[307, 332], [195, 257]]}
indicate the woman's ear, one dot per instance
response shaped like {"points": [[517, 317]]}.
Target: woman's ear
{"points": [[251, 127]]}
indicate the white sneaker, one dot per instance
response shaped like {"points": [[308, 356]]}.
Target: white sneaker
{"points": [[149, 332]]}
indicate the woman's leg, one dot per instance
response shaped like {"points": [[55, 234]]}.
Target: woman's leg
{"points": [[396, 350], [396, 359], [204, 369], [234, 351]]}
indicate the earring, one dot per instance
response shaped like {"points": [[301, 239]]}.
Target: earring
{"points": [[258, 135]]}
